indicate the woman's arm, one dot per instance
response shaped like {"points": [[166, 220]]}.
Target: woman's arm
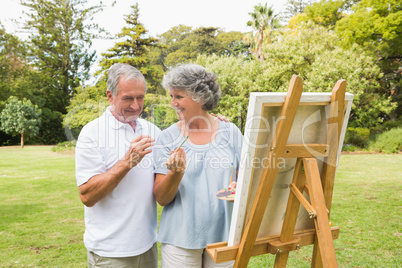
{"points": [[165, 186]]}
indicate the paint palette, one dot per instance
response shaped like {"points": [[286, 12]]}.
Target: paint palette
{"points": [[226, 194]]}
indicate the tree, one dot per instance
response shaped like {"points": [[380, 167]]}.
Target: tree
{"points": [[19, 79], [16, 76], [310, 51], [20, 118], [202, 40], [237, 77], [157, 110], [326, 13], [169, 42], [60, 41], [232, 44], [183, 44], [87, 104], [133, 49], [264, 21], [294, 7], [377, 27]]}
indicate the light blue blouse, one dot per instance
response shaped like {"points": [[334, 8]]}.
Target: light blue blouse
{"points": [[196, 217]]}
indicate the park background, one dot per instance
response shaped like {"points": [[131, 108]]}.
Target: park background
{"points": [[53, 82]]}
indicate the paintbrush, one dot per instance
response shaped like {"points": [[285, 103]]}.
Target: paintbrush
{"points": [[231, 171], [181, 144]]}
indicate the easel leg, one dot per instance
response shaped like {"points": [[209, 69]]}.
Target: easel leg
{"points": [[291, 213], [323, 231], [316, 261], [281, 260]]}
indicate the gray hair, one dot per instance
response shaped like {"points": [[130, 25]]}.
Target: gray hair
{"points": [[119, 70], [201, 85]]}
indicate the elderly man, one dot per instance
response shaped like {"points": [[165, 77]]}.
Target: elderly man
{"points": [[115, 177]]}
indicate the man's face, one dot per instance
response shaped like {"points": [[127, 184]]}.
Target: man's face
{"points": [[129, 102]]}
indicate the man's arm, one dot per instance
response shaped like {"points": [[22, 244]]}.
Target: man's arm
{"points": [[98, 186]]}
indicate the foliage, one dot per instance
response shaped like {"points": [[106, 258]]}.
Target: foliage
{"points": [[264, 22], [376, 25], [349, 148], [133, 49], [157, 110], [11, 52], [237, 78], [325, 13], [65, 147], [16, 77], [388, 142], [357, 136], [231, 44], [183, 44], [297, 20], [6, 139], [19, 79], [87, 104], [51, 131], [20, 118], [59, 43], [386, 126], [169, 42], [295, 7], [312, 52], [200, 41]]}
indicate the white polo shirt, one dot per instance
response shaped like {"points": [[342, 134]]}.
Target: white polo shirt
{"points": [[124, 223]]}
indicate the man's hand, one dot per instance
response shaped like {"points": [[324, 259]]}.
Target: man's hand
{"points": [[221, 117], [139, 147], [177, 161]]}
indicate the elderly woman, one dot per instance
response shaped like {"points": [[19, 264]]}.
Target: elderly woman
{"points": [[187, 179]]}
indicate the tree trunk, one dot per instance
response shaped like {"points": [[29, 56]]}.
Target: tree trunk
{"points": [[22, 140]]}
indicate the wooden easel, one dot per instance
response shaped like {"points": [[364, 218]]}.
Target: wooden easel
{"points": [[306, 178]]}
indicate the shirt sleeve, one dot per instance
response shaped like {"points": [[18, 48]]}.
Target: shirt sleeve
{"points": [[89, 160]]}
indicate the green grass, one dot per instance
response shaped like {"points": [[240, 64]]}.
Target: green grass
{"points": [[42, 220]]}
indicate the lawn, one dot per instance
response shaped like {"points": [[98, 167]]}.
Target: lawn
{"points": [[42, 220]]}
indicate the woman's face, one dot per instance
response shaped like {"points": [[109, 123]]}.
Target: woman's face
{"points": [[184, 104]]}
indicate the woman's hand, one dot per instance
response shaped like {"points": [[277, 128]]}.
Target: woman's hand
{"points": [[165, 186], [232, 186], [177, 161]]}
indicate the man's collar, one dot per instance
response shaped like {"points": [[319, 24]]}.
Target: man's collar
{"points": [[116, 124]]}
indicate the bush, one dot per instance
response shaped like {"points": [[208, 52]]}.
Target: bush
{"points": [[386, 126], [51, 130], [7, 140], [357, 136], [388, 142], [63, 147], [157, 110], [349, 148]]}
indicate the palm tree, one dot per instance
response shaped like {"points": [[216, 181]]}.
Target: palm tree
{"points": [[263, 21]]}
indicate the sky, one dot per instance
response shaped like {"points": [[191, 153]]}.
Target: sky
{"points": [[158, 16]]}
